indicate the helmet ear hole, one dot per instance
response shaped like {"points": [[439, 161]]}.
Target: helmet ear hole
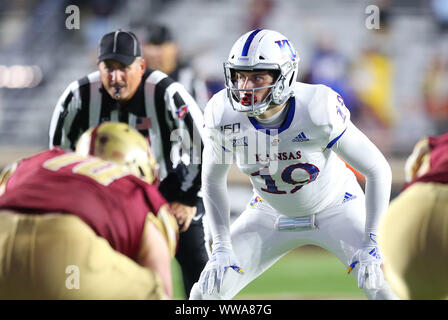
{"points": [[292, 78], [141, 171]]}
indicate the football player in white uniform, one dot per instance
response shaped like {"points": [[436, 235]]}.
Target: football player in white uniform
{"points": [[286, 136]]}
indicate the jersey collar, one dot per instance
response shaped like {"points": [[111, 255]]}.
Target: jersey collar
{"points": [[286, 124]]}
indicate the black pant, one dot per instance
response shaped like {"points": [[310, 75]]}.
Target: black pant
{"points": [[191, 253]]}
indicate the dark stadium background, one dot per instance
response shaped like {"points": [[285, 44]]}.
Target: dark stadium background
{"points": [[393, 79]]}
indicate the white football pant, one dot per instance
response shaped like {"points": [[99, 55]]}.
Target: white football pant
{"points": [[258, 244]]}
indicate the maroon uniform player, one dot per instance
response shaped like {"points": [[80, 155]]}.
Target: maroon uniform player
{"points": [[414, 235], [104, 220]]}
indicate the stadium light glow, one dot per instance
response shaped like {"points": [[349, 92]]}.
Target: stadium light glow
{"points": [[20, 76]]}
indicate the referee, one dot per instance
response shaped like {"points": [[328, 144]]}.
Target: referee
{"points": [[125, 90]]}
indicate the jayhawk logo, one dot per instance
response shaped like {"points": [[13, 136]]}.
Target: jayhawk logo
{"points": [[282, 44]]}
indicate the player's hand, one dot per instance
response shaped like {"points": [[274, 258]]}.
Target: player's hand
{"points": [[184, 215], [368, 260], [213, 274]]}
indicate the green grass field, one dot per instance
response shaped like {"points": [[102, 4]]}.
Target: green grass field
{"points": [[305, 273]]}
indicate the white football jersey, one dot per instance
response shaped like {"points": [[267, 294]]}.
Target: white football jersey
{"points": [[292, 168]]}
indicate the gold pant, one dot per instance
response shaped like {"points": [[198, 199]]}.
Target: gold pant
{"points": [[58, 256], [414, 241]]}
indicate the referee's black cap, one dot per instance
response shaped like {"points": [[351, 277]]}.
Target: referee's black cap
{"points": [[119, 45]]}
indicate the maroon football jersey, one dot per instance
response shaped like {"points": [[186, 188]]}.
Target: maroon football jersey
{"points": [[114, 204], [438, 160]]}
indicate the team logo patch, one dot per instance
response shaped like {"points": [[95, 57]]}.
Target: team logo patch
{"points": [[300, 138], [241, 142], [291, 52], [341, 101], [348, 197], [374, 253], [182, 112], [339, 112], [338, 109], [275, 142], [255, 201], [231, 128]]}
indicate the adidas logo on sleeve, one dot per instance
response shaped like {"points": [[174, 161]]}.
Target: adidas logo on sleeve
{"points": [[348, 197]]}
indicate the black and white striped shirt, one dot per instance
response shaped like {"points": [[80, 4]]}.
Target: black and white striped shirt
{"points": [[196, 86], [159, 107]]}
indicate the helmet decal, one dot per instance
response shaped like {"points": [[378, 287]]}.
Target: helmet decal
{"points": [[249, 41], [281, 44]]}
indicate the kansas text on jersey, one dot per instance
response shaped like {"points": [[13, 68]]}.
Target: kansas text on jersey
{"points": [[293, 167]]}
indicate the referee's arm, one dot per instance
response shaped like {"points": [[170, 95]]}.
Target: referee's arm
{"points": [[61, 131], [188, 117]]}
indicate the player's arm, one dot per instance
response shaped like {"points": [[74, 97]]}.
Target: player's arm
{"points": [[217, 158], [214, 185], [67, 108], [154, 255], [158, 247], [355, 148], [362, 155], [358, 151]]}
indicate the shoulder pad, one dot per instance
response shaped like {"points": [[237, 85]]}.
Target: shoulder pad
{"points": [[215, 109], [318, 106], [5, 174]]}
